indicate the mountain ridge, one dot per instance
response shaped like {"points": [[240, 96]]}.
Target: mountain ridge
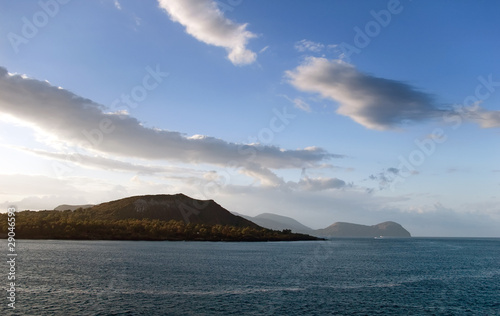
{"points": [[337, 229], [147, 217], [167, 207], [180, 207]]}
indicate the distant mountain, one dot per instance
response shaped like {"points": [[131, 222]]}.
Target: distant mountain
{"points": [[385, 229], [278, 222], [65, 207], [339, 229]]}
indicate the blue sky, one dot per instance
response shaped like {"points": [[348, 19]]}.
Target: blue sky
{"points": [[359, 111]]}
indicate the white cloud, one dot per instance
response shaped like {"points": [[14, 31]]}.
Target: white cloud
{"points": [[103, 163], [301, 105], [483, 117], [264, 175], [320, 184], [373, 102], [82, 123], [305, 45], [263, 49], [205, 22], [377, 103]]}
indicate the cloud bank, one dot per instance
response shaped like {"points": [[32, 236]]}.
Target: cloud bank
{"points": [[80, 122], [205, 22]]}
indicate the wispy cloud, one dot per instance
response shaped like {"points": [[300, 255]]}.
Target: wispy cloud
{"points": [[386, 177], [320, 184], [308, 46], [104, 163], [373, 102], [205, 22], [483, 117], [301, 105]]}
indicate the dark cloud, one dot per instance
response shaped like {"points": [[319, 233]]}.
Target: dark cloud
{"points": [[393, 170]]}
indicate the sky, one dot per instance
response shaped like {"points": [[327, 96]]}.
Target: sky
{"points": [[323, 111]]}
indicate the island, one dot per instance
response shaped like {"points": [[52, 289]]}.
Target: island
{"points": [[386, 229], [383, 230], [150, 217]]}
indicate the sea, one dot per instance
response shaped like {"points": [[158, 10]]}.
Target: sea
{"points": [[412, 276]]}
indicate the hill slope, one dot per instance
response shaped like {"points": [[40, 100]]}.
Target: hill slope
{"points": [[279, 222], [178, 207], [339, 229]]}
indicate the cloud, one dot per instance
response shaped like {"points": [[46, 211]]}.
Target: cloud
{"points": [[100, 162], [205, 22], [263, 49], [83, 123], [264, 175], [305, 45], [483, 117], [386, 177], [373, 102], [393, 170], [301, 105], [320, 184]]}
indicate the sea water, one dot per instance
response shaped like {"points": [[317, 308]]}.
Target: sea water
{"points": [[415, 276]]}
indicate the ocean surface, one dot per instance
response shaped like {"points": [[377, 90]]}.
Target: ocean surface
{"points": [[417, 276]]}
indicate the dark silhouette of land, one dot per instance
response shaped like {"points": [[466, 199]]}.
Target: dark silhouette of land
{"points": [[176, 217], [150, 217]]}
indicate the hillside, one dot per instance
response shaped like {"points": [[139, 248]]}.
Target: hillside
{"points": [[279, 222], [178, 207], [150, 217], [340, 229]]}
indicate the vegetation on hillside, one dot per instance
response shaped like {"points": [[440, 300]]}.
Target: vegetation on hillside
{"points": [[85, 225]]}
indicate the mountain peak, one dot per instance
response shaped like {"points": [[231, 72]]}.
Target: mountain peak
{"points": [[179, 207]]}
